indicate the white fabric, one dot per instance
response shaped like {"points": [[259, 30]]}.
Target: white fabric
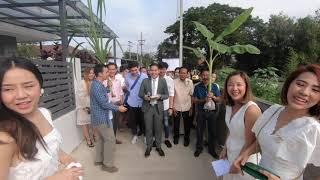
{"points": [[290, 148], [154, 89], [236, 138], [83, 117], [47, 163], [170, 86]]}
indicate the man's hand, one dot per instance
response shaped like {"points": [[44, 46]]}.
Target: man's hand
{"points": [[147, 98], [170, 111], [122, 109]]}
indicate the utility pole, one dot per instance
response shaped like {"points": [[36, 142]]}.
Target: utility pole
{"points": [[130, 49], [141, 41], [137, 52], [181, 34]]}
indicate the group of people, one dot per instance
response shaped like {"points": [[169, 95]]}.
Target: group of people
{"points": [[287, 137], [283, 139]]}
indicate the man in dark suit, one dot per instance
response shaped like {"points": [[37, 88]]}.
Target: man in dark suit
{"points": [[153, 91]]}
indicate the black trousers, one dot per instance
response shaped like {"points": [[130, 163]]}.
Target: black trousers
{"points": [[206, 118], [186, 123], [135, 120]]}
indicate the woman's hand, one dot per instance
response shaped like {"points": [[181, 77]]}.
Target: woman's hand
{"points": [[67, 174], [223, 154], [234, 170], [65, 158], [240, 161], [269, 175]]}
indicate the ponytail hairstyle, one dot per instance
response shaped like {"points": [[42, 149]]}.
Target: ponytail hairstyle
{"points": [[24, 132]]}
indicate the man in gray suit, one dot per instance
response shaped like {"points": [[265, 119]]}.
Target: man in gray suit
{"points": [[153, 91]]}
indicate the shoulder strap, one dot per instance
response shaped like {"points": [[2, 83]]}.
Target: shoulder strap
{"points": [[268, 121], [261, 129], [47, 114], [135, 82]]}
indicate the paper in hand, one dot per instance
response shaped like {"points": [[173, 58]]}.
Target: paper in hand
{"points": [[221, 167]]}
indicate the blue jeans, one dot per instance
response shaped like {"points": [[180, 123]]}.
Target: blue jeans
{"points": [[166, 124]]}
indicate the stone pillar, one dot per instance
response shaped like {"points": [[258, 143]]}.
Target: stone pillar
{"points": [[8, 46]]}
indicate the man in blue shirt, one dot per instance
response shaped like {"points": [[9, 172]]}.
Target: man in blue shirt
{"points": [[133, 82], [101, 118], [202, 96]]}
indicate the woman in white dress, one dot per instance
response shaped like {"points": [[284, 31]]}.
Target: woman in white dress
{"points": [[29, 144], [289, 135], [241, 114], [83, 106]]}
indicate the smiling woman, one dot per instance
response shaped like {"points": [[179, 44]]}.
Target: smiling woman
{"points": [[29, 143], [289, 135]]}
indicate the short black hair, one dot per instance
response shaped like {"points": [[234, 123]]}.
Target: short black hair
{"points": [[163, 65], [203, 70], [184, 67], [142, 67], [98, 69], [112, 64], [133, 64], [123, 68], [177, 68], [154, 64]]}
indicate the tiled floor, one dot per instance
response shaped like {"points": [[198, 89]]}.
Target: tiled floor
{"points": [[178, 164]]}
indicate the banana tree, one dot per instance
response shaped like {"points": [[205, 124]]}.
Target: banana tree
{"points": [[95, 32], [216, 48]]}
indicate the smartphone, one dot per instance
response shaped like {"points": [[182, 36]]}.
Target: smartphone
{"points": [[254, 171]]}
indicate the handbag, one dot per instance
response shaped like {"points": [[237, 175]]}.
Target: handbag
{"points": [[252, 169]]}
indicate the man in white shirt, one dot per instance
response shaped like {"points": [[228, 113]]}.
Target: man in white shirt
{"points": [[168, 103]]}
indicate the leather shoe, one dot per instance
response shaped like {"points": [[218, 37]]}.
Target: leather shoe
{"points": [[112, 169], [118, 141], [176, 141], [214, 155], [147, 153], [160, 152], [186, 142], [168, 143], [98, 163], [197, 153]]}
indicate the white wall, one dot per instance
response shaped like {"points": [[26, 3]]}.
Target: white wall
{"points": [[71, 133], [66, 124]]}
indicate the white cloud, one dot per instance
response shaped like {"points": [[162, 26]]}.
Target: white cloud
{"points": [[130, 17]]}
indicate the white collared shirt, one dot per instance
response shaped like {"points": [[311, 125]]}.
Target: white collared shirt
{"points": [[170, 86]]}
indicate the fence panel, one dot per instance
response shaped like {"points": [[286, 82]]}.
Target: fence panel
{"points": [[58, 85]]}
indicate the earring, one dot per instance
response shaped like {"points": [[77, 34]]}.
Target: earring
{"points": [[41, 91]]}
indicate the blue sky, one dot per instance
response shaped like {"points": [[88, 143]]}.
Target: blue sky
{"points": [[151, 17]]}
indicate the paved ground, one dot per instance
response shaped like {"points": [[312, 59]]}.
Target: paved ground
{"points": [[178, 164]]}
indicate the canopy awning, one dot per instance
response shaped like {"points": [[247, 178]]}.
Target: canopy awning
{"points": [[35, 20]]}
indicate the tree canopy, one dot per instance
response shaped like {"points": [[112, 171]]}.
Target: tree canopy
{"points": [[278, 39]]}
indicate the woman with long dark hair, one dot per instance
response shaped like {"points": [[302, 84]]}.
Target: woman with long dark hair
{"points": [[83, 109], [288, 135], [29, 143]]}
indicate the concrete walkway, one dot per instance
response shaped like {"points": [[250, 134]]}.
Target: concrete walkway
{"points": [[178, 163]]}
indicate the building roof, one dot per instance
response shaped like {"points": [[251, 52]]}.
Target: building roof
{"points": [[43, 16]]}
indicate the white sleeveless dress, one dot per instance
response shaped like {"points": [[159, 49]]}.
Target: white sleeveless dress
{"points": [[288, 151], [47, 163], [236, 138]]}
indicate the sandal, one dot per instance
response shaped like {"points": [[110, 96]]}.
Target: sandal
{"points": [[94, 138], [89, 143]]}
